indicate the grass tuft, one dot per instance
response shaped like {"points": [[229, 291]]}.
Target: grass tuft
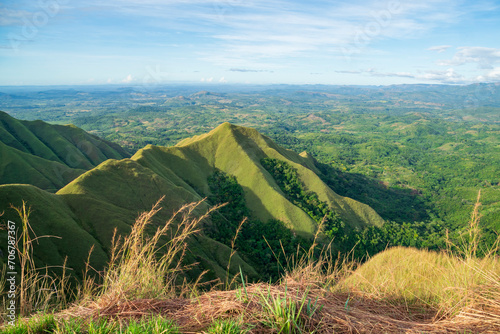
{"points": [[227, 326], [288, 314], [38, 289], [37, 324]]}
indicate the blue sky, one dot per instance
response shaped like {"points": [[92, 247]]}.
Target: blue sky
{"points": [[58, 42]]}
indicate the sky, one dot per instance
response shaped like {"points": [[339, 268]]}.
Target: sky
{"points": [[147, 42]]}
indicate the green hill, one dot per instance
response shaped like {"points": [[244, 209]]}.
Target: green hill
{"points": [[20, 167], [111, 195], [49, 156], [238, 151]]}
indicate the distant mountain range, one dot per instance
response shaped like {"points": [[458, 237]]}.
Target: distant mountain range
{"points": [[99, 188]]}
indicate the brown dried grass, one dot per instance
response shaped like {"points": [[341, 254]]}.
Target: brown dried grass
{"points": [[361, 314], [339, 310]]}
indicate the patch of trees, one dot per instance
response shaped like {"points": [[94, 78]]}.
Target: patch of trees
{"points": [[263, 244], [361, 242]]}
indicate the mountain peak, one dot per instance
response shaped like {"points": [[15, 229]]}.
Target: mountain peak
{"points": [[223, 129], [238, 151]]}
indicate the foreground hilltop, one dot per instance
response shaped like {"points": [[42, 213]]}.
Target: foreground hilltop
{"points": [[85, 212]]}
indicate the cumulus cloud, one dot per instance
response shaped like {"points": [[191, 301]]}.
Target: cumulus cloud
{"points": [[493, 75], [222, 80], [128, 79], [485, 58], [439, 48]]}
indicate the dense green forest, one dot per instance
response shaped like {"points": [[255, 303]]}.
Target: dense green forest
{"points": [[366, 241], [258, 241]]}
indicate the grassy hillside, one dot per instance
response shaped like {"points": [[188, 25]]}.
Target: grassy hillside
{"points": [[87, 210], [49, 156], [21, 167], [423, 276], [50, 215], [238, 151]]}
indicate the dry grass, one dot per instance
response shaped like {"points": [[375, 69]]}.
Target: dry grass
{"points": [[38, 289], [337, 312], [458, 287], [144, 267], [399, 291]]}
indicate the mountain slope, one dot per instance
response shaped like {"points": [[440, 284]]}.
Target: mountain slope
{"points": [[50, 215], [112, 195], [49, 156], [238, 151], [21, 167]]}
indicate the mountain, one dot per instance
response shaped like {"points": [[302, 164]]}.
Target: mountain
{"points": [[86, 211], [238, 151], [49, 156]]}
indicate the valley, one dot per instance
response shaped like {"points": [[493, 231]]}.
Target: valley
{"points": [[354, 170]]}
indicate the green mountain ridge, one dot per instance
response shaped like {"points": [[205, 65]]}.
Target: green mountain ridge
{"points": [[237, 151], [86, 211], [21, 167], [49, 156]]}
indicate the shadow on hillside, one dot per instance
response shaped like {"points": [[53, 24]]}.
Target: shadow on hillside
{"points": [[254, 203], [395, 204]]}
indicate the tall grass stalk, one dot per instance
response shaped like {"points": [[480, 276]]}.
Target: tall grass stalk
{"points": [[288, 314], [37, 291], [143, 266], [233, 251], [324, 270]]}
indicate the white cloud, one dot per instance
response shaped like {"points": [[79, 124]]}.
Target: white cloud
{"points": [[439, 48], [246, 70], [207, 79], [350, 72], [10, 17], [258, 32], [293, 29], [222, 80], [128, 79], [446, 76], [493, 75], [267, 35], [485, 58]]}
